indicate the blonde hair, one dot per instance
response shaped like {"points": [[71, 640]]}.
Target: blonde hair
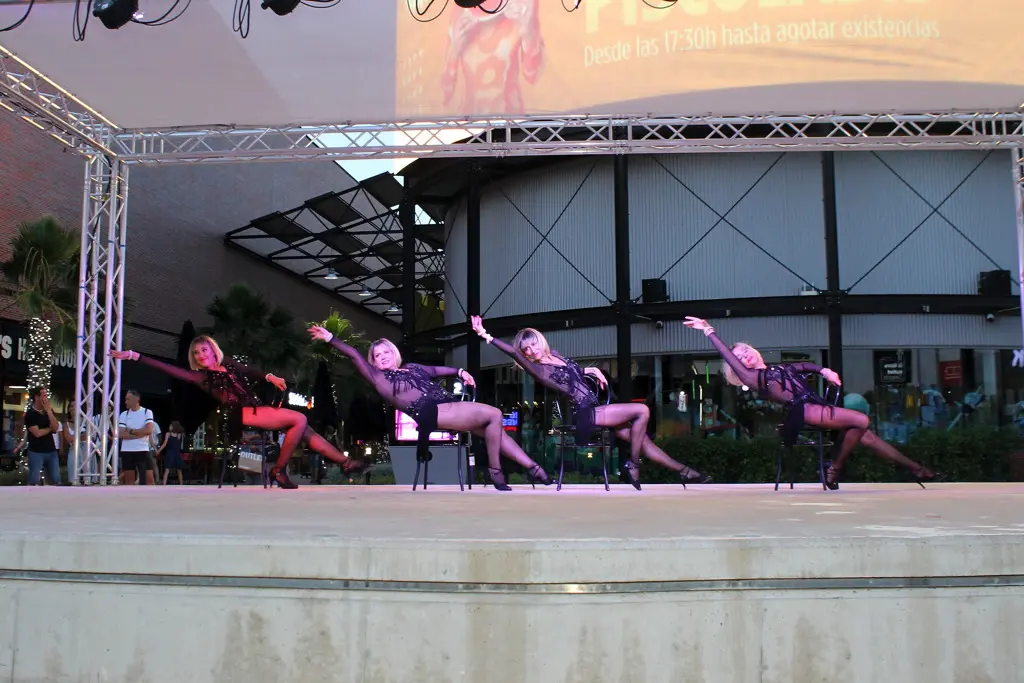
{"points": [[730, 376], [528, 334], [386, 343], [204, 339]]}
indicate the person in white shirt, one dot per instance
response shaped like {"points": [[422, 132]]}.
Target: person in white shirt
{"points": [[134, 427]]}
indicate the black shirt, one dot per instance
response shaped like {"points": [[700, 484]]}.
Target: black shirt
{"points": [[38, 444]]}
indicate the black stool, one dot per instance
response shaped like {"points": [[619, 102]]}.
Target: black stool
{"points": [[468, 394], [602, 438], [252, 457], [813, 437]]}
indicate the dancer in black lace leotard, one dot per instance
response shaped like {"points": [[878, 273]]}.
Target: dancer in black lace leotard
{"points": [[782, 384], [412, 390], [234, 384], [629, 420]]}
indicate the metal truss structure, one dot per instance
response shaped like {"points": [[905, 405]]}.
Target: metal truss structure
{"points": [[110, 150], [45, 105], [100, 320], [351, 243], [531, 136], [1018, 196]]}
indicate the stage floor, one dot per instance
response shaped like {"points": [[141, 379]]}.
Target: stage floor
{"points": [[581, 534], [716, 584]]}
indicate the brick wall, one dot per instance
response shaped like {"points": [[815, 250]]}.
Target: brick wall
{"points": [[37, 177], [177, 219]]}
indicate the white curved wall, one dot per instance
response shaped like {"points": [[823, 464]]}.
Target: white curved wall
{"points": [[746, 225]]}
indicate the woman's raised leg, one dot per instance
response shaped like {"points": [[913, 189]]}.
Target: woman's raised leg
{"points": [[292, 422], [485, 421]]}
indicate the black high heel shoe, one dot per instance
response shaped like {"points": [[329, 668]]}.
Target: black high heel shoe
{"points": [[534, 478], [499, 481], [281, 477], [691, 476], [927, 475], [831, 478], [629, 473], [354, 467]]}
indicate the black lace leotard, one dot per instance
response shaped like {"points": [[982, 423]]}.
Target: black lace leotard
{"points": [[781, 383], [568, 380], [409, 389], [236, 385]]}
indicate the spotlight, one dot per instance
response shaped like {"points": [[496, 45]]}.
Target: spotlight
{"points": [[469, 4], [115, 13], [280, 7]]}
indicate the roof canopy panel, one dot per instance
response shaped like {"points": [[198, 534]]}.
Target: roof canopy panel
{"points": [[349, 243], [370, 61]]}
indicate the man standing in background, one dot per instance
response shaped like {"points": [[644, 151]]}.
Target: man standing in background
{"points": [[134, 427], [41, 427]]}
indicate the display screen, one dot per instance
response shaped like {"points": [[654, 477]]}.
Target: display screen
{"points": [[406, 430], [696, 57]]}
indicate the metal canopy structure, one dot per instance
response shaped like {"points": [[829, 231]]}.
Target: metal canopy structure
{"points": [[351, 244], [339, 242]]}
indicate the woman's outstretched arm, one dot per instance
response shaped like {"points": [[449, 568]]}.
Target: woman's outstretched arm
{"points": [[746, 375], [830, 376], [518, 356], [444, 371], [193, 376], [368, 372]]}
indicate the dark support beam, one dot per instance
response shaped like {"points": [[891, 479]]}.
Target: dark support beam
{"points": [[623, 301], [473, 265], [407, 217], [834, 295]]}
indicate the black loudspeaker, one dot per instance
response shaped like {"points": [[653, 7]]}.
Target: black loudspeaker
{"points": [[994, 283], [654, 291]]}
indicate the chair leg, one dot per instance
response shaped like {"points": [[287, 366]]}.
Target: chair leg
{"points": [[605, 453], [472, 460], [426, 468], [778, 468], [561, 463], [791, 466], [416, 477], [458, 462], [223, 471], [821, 462]]}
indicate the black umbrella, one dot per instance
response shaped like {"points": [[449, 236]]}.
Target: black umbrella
{"points": [[325, 410], [191, 405]]}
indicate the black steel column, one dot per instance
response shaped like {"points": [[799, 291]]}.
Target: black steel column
{"points": [[623, 301], [834, 295], [407, 217], [473, 266]]}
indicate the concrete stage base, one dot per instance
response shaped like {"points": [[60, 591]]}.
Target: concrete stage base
{"points": [[729, 584]]}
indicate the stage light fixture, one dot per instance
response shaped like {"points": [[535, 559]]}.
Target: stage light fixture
{"points": [[280, 7], [115, 13]]}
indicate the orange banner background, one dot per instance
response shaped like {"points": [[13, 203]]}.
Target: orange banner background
{"points": [[536, 58]]}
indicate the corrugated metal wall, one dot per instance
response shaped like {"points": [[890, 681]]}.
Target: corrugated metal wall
{"points": [[676, 199], [783, 333], [455, 264], [908, 331], [594, 342], [782, 213], [883, 196], [565, 259]]}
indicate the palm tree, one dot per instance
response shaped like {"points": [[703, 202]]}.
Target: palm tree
{"points": [[43, 274], [252, 331], [344, 378]]}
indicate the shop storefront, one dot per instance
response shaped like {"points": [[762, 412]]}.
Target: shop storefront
{"points": [[14, 377]]}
